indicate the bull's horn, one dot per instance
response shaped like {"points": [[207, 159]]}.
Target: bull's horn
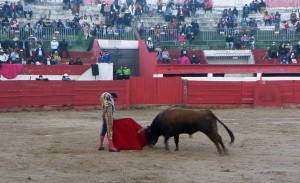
{"points": [[142, 129]]}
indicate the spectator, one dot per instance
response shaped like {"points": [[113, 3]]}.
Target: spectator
{"points": [[158, 52], [293, 58], [282, 53], [100, 57], [56, 59], [150, 45], [107, 57], [297, 49], [63, 46], [65, 77], [184, 60], [273, 50], [244, 41], [182, 39], [262, 6], [244, 23], [54, 45], [195, 59], [293, 17], [3, 56], [6, 10], [78, 61], [14, 56], [267, 19], [71, 61], [22, 56], [40, 53], [229, 42], [31, 60], [19, 9], [184, 52], [237, 41], [267, 54], [246, 11], [165, 56], [208, 6], [252, 41]]}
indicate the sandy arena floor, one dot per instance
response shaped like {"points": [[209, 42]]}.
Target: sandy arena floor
{"points": [[61, 147]]}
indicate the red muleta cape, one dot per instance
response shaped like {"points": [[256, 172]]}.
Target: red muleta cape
{"points": [[126, 136]]}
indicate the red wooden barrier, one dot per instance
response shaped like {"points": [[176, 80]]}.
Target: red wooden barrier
{"points": [[16, 95]]}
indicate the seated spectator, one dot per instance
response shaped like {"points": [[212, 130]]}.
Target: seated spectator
{"points": [[41, 78], [267, 18], [31, 60], [293, 58], [208, 6], [158, 52], [282, 53], [3, 56], [65, 77], [182, 39], [19, 9], [273, 50], [229, 42], [71, 61], [184, 60], [267, 54], [150, 45], [195, 59], [262, 6], [244, 23], [78, 61], [244, 41], [55, 59], [184, 52], [165, 56], [297, 49], [14, 56]]}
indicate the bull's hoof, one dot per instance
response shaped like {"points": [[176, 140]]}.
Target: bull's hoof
{"points": [[114, 150], [101, 148]]}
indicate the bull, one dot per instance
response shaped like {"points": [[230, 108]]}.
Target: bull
{"points": [[175, 121]]}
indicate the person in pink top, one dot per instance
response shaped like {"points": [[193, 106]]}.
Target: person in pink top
{"points": [[185, 60]]}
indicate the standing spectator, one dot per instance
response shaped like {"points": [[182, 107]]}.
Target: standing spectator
{"points": [[3, 56], [165, 56], [293, 17], [195, 59], [119, 73], [63, 46], [100, 57], [150, 45], [108, 106], [184, 60], [252, 41], [54, 45], [237, 41], [182, 39], [244, 41], [262, 6], [27, 9], [246, 11], [229, 41], [40, 53], [107, 57]]}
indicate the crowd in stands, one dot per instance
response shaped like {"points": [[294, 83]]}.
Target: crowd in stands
{"points": [[286, 52]]}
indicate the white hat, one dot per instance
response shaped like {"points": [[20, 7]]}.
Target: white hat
{"points": [[66, 75], [54, 38], [149, 38], [15, 39]]}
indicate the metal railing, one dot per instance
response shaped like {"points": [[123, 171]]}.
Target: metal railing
{"points": [[45, 33], [116, 34]]}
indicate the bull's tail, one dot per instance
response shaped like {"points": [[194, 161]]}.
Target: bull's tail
{"points": [[227, 129]]}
